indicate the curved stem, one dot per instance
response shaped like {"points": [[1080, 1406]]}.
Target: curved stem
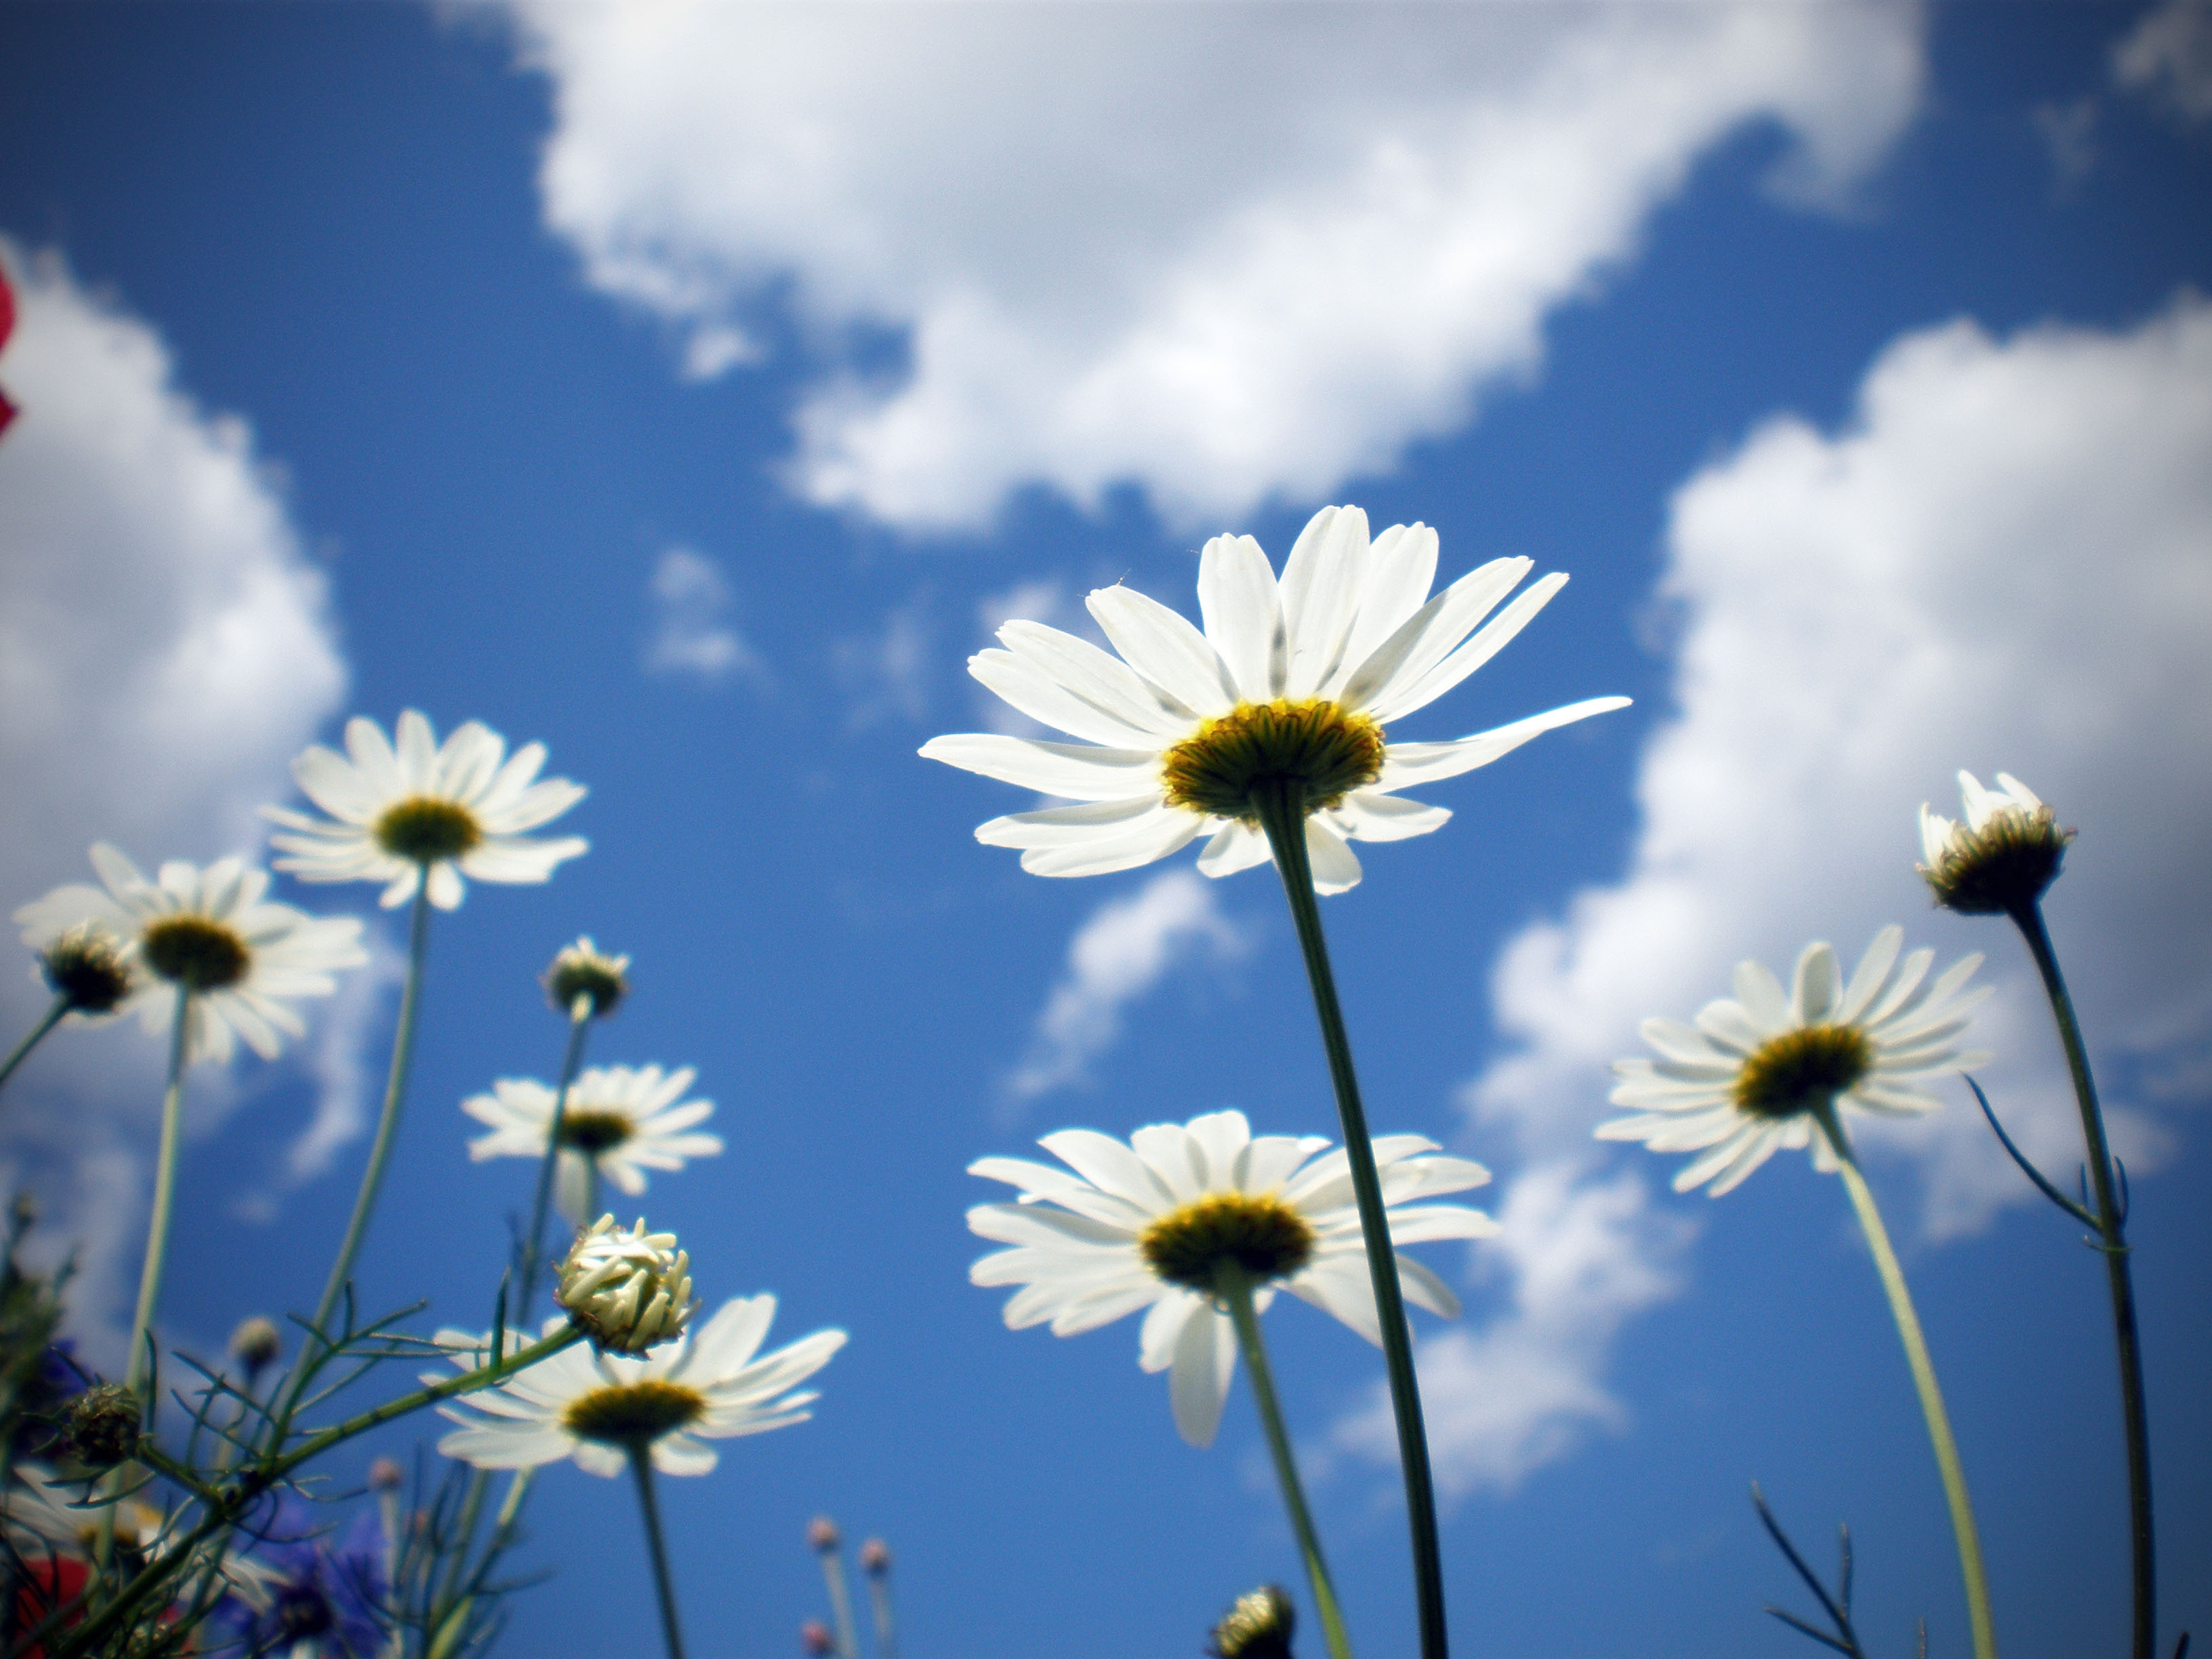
{"points": [[640, 1461], [533, 1241], [1953, 1472], [2110, 1221], [1234, 1286], [1283, 820], [17, 1055]]}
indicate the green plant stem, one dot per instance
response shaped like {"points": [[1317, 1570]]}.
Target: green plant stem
{"points": [[1282, 818], [1234, 1287], [641, 1462], [841, 1602], [2111, 1222], [533, 1245], [1954, 1473], [50, 1019], [879, 1600]]}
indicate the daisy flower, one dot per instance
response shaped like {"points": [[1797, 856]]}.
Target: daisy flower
{"points": [[2002, 857], [207, 932], [1284, 694], [1759, 1069], [594, 1408], [1146, 1224], [620, 1121], [398, 812]]}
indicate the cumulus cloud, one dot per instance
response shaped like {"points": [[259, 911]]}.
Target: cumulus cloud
{"points": [[164, 649], [2167, 57], [1226, 252], [694, 634], [2003, 561], [1125, 949]]}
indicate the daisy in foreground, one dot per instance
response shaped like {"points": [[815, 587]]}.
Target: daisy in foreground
{"points": [[414, 812], [619, 1121], [1281, 702], [1767, 1068]]}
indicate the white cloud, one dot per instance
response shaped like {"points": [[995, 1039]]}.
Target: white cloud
{"points": [[1126, 948], [164, 649], [885, 674], [693, 631], [2168, 58], [2005, 561], [1227, 251]]}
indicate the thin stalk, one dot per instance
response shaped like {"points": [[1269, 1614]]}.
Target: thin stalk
{"points": [[1924, 1380], [1234, 1286], [880, 1601], [640, 1462], [533, 1244], [2112, 1222], [841, 1602], [1283, 820], [50, 1019]]}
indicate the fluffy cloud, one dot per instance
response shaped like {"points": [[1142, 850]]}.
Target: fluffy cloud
{"points": [[2168, 56], [164, 649], [694, 634], [2004, 561], [1226, 252]]}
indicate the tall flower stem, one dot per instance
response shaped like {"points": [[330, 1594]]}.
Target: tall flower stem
{"points": [[533, 1241], [841, 1602], [641, 1462], [1234, 1287], [1282, 815], [1924, 1380], [22, 1051], [879, 1600], [165, 1192], [2111, 1223]]}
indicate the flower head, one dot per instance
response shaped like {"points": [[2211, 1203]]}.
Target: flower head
{"points": [[100, 1428], [822, 1535], [206, 932], [1150, 1223], [397, 811], [308, 1595], [876, 1557], [1284, 696], [1759, 1069], [625, 1120], [815, 1639], [582, 969], [257, 1342], [594, 1407], [2001, 858], [630, 1290], [89, 966], [1259, 1626]]}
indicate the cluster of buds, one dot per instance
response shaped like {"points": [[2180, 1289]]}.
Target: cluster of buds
{"points": [[626, 1290], [585, 982], [1258, 1627], [102, 1427], [90, 967], [1999, 860]]}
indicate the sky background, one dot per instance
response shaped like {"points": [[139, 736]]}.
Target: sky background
{"points": [[694, 388]]}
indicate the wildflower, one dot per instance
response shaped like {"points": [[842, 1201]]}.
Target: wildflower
{"points": [[90, 967], [875, 1557], [101, 1429], [1145, 1224], [209, 932], [1285, 695], [1258, 1627], [256, 1343], [822, 1535], [397, 813], [1757, 1070], [2001, 858], [582, 969], [630, 1290], [304, 1596], [619, 1120]]}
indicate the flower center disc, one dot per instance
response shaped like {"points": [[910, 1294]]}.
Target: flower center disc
{"points": [[1318, 749], [626, 1413], [1800, 1070], [427, 830], [1260, 1233], [594, 1132], [196, 953]]}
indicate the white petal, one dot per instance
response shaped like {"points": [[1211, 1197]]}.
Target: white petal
{"points": [[1371, 815], [1161, 644], [1423, 639], [1335, 867], [1244, 617], [1041, 697], [1198, 1382], [1236, 847], [1496, 635], [1075, 772], [1320, 593], [1144, 842], [1401, 564], [1404, 763]]}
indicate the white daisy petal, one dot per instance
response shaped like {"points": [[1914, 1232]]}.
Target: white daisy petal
{"points": [[1198, 1381], [1243, 616], [1076, 773], [1161, 644]]}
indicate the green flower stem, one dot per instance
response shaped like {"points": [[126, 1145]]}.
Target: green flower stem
{"points": [[841, 1602], [1282, 818], [1924, 1380], [22, 1051], [533, 1241], [2111, 1222], [879, 1600], [640, 1462], [1234, 1286]]}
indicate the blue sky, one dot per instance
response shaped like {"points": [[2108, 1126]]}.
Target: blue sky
{"points": [[694, 389]]}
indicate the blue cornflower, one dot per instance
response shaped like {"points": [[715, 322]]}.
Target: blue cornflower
{"points": [[306, 1593]]}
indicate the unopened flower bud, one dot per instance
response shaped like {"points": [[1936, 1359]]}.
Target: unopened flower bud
{"points": [[822, 1533], [385, 1475], [876, 1557], [583, 971], [257, 1344], [1258, 1627], [627, 1291], [2000, 860], [89, 966], [814, 1639], [101, 1429]]}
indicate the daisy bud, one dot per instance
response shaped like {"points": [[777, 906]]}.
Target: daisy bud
{"points": [[1258, 1627], [2000, 860], [87, 965], [257, 1344], [385, 1475], [582, 969], [101, 1429], [814, 1639], [627, 1291], [876, 1558], [822, 1533]]}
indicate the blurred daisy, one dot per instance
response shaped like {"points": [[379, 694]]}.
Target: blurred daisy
{"points": [[2001, 858], [1288, 689], [594, 1408], [206, 932], [395, 812], [1757, 1069], [1145, 1224], [40, 1512], [620, 1122]]}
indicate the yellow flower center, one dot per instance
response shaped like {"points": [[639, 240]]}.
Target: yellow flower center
{"points": [[1321, 752], [1803, 1070], [593, 1132], [196, 953], [1257, 1231], [632, 1413], [427, 830]]}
